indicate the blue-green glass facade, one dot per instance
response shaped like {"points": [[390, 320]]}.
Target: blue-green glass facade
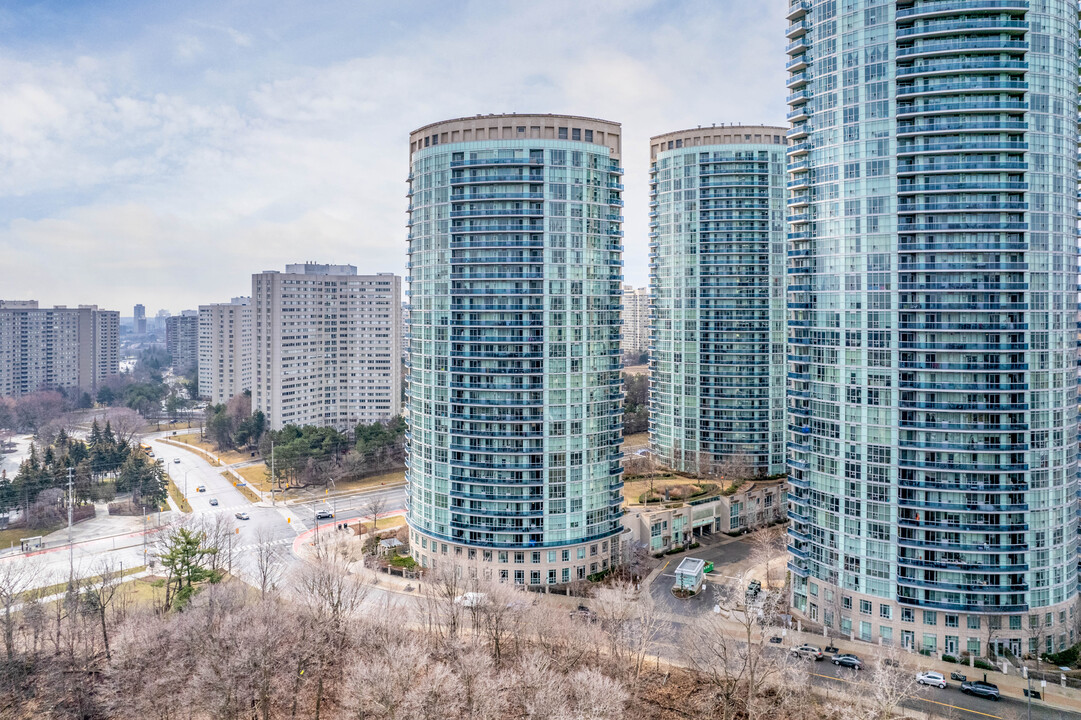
{"points": [[932, 400], [717, 267], [514, 392]]}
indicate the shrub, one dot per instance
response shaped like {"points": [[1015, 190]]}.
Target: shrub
{"points": [[403, 561], [925, 652], [694, 545], [948, 658], [1067, 658], [983, 664], [675, 550]]}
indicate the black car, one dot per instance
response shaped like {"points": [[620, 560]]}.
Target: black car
{"points": [[848, 660], [324, 515], [584, 613], [981, 689]]}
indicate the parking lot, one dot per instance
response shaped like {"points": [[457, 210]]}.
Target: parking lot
{"points": [[729, 555]]}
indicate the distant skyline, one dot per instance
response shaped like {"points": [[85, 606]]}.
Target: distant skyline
{"points": [[162, 153]]}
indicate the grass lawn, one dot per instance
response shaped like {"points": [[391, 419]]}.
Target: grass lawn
{"points": [[637, 441], [392, 478], [227, 456], [178, 497], [632, 489], [244, 489], [8, 538], [61, 587], [384, 524], [255, 475]]}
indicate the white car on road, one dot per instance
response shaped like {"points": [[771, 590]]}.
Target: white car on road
{"points": [[242, 516], [931, 678]]}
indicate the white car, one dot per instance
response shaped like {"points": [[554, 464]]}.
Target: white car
{"points": [[931, 678], [242, 516], [176, 460], [471, 599]]}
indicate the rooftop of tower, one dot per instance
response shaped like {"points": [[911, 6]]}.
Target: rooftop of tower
{"points": [[516, 126], [719, 135]]}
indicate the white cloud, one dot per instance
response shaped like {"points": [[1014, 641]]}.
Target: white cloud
{"points": [[150, 186]]}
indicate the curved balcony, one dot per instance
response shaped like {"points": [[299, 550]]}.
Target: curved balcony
{"points": [[977, 587], [500, 178], [969, 7], [960, 566], [941, 47], [968, 27], [954, 67], [942, 525]]}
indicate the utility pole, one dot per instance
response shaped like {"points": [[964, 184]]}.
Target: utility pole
{"points": [[273, 478], [71, 510]]}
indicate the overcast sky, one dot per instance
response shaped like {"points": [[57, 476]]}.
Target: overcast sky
{"points": [[162, 152]]}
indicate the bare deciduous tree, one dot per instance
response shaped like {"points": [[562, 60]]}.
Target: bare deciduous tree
{"points": [[100, 591], [374, 506], [16, 577]]}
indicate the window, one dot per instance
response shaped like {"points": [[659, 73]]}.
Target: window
{"points": [[562, 133], [865, 607], [952, 621], [908, 615], [589, 136], [846, 602], [973, 622], [576, 134], [519, 577], [519, 558], [552, 577], [535, 558], [502, 556], [534, 577], [1015, 622], [930, 617], [885, 611]]}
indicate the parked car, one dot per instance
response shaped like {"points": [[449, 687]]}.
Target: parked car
{"points": [[584, 613], [808, 651], [848, 660], [242, 516], [213, 501], [931, 678], [980, 689], [324, 515]]}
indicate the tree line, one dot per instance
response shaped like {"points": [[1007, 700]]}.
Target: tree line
{"points": [[39, 488]]}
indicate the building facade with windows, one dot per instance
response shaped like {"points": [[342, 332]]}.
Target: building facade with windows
{"points": [[326, 346], [225, 349], [635, 320], [56, 348], [182, 339], [514, 394], [932, 407], [717, 269]]}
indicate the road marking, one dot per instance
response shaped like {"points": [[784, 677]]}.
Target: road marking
{"points": [[915, 697]]}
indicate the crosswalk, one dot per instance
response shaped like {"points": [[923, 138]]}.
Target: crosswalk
{"points": [[269, 543]]}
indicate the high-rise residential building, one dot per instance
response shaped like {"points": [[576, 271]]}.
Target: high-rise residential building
{"points": [[139, 320], [514, 390], [717, 268], [225, 349], [56, 348], [182, 339], [635, 317], [326, 346], [932, 411]]}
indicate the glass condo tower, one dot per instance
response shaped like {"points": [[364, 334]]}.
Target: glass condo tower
{"points": [[514, 391], [717, 268], [932, 404]]}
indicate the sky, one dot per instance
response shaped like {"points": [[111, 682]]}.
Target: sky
{"points": [[162, 152]]}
